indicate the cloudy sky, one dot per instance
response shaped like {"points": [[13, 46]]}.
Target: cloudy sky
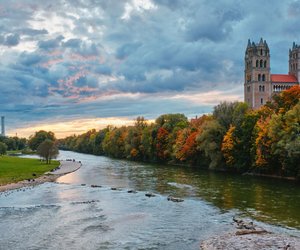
{"points": [[72, 65]]}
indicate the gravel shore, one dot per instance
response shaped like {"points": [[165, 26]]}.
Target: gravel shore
{"points": [[251, 242], [250, 237]]}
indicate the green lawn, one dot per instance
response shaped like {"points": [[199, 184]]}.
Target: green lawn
{"points": [[13, 169]]}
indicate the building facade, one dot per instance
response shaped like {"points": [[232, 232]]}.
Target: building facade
{"points": [[259, 83]]}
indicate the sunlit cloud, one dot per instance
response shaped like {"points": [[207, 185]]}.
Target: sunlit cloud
{"points": [[63, 129], [92, 61]]}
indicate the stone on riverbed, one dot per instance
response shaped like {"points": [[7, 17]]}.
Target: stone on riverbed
{"points": [[150, 195], [175, 199], [131, 191], [96, 186]]}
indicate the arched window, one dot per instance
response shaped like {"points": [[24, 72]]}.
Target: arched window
{"points": [[259, 77], [256, 63], [263, 77], [261, 52], [259, 88], [261, 101], [263, 88], [261, 63], [265, 64]]}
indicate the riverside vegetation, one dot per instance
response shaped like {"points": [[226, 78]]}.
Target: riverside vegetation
{"points": [[232, 138], [14, 169]]}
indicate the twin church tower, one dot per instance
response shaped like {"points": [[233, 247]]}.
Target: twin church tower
{"points": [[260, 84]]}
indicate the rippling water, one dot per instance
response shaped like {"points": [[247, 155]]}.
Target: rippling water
{"points": [[70, 214]]}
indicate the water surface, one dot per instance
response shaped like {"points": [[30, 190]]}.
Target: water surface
{"points": [[70, 214]]}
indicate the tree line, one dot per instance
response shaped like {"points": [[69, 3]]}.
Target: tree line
{"points": [[11, 144], [233, 138], [42, 143]]}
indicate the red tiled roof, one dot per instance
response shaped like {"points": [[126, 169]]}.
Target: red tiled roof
{"points": [[283, 78]]}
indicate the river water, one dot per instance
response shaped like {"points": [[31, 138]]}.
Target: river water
{"points": [[70, 214]]}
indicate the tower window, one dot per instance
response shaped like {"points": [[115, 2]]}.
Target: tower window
{"points": [[259, 77], [261, 52], [265, 64], [261, 88], [263, 77], [261, 63], [256, 63], [261, 101]]}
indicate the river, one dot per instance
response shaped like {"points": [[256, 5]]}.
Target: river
{"points": [[70, 214]]}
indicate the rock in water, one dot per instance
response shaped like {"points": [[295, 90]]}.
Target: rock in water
{"points": [[175, 199], [131, 191], [150, 195], [96, 186]]}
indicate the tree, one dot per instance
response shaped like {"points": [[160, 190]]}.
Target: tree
{"points": [[228, 145], [39, 137], [162, 144], [210, 141], [171, 121], [3, 148], [48, 150]]}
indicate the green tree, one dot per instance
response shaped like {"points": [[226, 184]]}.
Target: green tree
{"points": [[3, 148], [210, 141], [39, 137], [47, 150]]}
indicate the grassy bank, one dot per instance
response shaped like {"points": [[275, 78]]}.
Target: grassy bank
{"points": [[14, 169]]}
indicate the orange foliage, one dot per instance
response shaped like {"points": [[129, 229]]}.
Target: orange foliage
{"points": [[228, 145], [262, 142], [134, 153], [162, 143], [291, 97], [189, 148]]}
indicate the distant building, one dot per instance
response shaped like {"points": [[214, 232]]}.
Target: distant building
{"points": [[2, 126], [260, 84]]}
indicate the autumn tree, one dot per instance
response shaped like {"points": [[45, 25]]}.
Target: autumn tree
{"points": [[228, 146], [162, 144]]}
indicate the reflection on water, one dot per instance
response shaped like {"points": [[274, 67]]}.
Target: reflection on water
{"points": [[69, 215], [270, 200]]}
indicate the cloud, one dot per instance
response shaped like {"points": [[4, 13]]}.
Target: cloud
{"points": [[11, 40], [51, 43], [125, 58]]}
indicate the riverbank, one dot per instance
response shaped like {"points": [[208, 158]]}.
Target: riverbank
{"points": [[250, 237], [65, 167], [251, 242]]}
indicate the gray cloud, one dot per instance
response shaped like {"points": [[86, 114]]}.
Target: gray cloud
{"points": [[11, 40], [75, 51]]}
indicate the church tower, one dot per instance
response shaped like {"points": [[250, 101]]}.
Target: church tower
{"points": [[257, 86], [294, 61]]}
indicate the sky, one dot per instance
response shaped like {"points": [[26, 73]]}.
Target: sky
{"points": [[73, 65]]}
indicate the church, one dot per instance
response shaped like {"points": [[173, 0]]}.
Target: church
{"points": [[260, 84]]}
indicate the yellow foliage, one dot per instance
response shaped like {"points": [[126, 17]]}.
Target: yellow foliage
{"points": [[228, 145]]}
